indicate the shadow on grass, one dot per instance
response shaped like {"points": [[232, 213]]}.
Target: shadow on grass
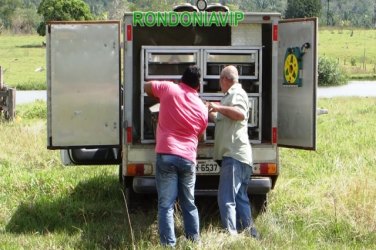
{"points": [[95, 210], [32, 46]]}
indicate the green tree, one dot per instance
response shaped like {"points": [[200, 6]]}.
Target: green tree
{"points": [[117, 8], [7, 8], [269, 5], [361, 13], [62, 10], [25, 20], [154, 5], [255, 5], [31, 3], [303, 8], [99, 7]]}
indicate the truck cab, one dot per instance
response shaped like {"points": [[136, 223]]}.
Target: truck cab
{"points": [[98, 112]]}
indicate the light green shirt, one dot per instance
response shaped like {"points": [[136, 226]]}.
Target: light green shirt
{"points": [[231, 137]]}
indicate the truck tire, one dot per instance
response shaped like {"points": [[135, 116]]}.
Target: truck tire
{"points": [[259, 203]]}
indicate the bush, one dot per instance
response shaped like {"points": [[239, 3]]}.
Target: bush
{"points": [[330, 73], [36, 110], [353, 61]]}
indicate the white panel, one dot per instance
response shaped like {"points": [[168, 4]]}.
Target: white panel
{"points": [[246, 35], [84, 84], [297, 105]]}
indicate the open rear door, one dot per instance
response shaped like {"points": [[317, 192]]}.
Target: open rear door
{"points": [[297, 83], [83, 78]]}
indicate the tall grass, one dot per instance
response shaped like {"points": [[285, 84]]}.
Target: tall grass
{"points": [[323, 199], [326, 199]]}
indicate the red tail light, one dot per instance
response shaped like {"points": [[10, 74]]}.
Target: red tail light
{"points": [[139, 169], [129, 32], [265, 168], [129, 134], [275, 32], [274, 135]]}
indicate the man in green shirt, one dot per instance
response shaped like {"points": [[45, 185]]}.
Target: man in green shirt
{"points": [[233, 150]]}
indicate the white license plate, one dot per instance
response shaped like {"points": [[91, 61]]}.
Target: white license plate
{"points": [[207, 167]]}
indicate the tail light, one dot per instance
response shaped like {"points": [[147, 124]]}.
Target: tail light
{"points": [[275, 32], [139, 169], [129, 134], [265, 168], [129, 32]]}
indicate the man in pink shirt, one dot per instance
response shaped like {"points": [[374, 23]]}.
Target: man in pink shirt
{"points": [[183, 118]]}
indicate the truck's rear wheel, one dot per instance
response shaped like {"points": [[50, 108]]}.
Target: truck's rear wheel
{"points": [[259, 203]]}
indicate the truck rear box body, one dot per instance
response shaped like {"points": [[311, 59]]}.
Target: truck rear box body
{"points": [[98, 113]]}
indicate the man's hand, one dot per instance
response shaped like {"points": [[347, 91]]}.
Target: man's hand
{"points": [[231, 112], [213, 107]]}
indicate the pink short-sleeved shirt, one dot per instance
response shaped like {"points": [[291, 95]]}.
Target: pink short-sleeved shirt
{"points": [[182, 118]]}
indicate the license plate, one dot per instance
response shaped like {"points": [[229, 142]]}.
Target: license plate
{"points": [[207, 167]]}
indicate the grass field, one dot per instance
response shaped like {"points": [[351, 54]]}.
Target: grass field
{"points": [[323, 199], [22, 56], [354, 49]]}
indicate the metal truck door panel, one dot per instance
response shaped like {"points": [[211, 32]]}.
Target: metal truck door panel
{"points": [[297, 83], [83, 77]]}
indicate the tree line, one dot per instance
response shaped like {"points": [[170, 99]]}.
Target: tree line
{"points": [[28, 16]]}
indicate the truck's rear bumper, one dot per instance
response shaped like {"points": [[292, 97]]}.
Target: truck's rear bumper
{"points": [[257, 185], [260, 185]]}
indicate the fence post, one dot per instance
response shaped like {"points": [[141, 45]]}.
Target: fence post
{"points": [[1, 78], [11, 104], [7, 99], [1, 91]]}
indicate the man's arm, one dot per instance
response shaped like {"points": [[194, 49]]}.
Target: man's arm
{"points": [[148, 89], [231, 112]]}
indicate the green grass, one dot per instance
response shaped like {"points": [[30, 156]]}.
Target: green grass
{"points": [[354, 49], [21, 55], [323, 199]]}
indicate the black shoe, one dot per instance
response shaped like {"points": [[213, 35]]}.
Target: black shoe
{"points": [[253, 233]]}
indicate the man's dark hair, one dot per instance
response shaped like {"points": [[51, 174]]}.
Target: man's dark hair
{"points": [[191, 76]]}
